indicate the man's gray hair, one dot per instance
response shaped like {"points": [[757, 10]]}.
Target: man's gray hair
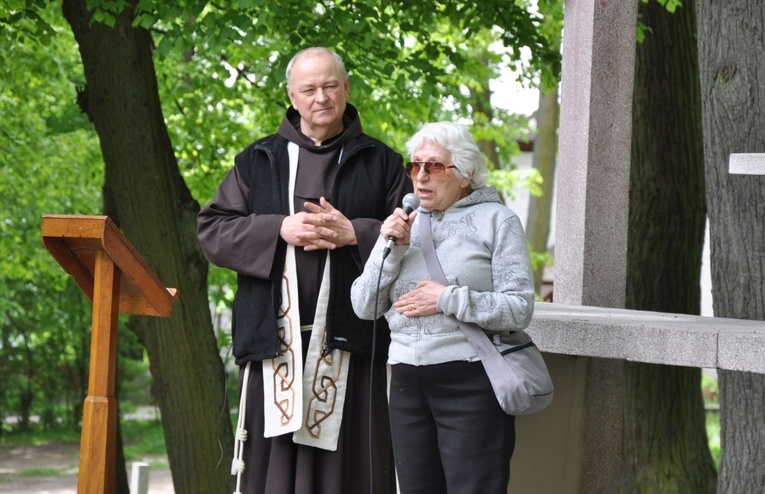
{"points": [[456, 139], [315, 50]]}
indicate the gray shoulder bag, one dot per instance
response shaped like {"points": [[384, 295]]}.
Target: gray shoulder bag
{"points": [[515, 366]]}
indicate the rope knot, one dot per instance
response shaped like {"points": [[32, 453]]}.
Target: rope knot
{"points": [[237, 467], [241, 434]]}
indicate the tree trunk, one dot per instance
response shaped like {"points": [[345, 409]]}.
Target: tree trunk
{"points": [[665, 444], [27, 394], [731, 58], [148, 199], [545, 149]]}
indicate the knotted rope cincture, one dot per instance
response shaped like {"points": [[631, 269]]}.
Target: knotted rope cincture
{"points": [[237, 464]]}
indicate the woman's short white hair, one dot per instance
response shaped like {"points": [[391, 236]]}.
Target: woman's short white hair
{"points": [[456, 139]]}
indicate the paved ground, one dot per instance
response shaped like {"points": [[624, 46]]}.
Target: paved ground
{"points": [[17, 462]]}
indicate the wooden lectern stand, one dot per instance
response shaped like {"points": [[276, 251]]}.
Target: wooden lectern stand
{"points": [[115, 278]]}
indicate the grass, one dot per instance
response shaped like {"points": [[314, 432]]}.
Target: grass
{"points": [[40, 472], [142, 438], [37, 436]]}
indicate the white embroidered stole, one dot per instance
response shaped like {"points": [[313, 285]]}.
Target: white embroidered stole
{"points": [[308, 402], [282, 376], [324, 382]]}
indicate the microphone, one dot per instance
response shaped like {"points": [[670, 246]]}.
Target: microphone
{"points": [[409, 203]]}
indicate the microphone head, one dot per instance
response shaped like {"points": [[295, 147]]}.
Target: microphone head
{"points": [[410, 202]]}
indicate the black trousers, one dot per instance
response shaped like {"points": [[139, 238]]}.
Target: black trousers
{"points": [[449, 433]]}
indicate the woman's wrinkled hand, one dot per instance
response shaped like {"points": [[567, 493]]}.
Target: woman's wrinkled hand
{"points": [[398, 225], [422, 301]]}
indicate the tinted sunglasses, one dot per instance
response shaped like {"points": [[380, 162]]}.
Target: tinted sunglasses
{"points": [[431, 167]]}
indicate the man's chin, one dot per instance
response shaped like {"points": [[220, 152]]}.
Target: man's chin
{"points": [[324, 116]]}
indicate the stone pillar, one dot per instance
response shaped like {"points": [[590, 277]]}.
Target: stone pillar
{"points": [[583, 454], [594, 152]]}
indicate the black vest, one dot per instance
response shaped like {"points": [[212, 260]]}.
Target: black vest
{"points": [[264, 167]]}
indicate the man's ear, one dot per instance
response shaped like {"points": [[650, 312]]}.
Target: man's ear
{"points": [[289, 95]]}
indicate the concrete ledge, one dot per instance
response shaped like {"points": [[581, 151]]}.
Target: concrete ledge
{"points": [[747, 164], [651, 337]]}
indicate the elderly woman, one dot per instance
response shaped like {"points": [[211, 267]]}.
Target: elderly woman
{"points": [[449, 433]]}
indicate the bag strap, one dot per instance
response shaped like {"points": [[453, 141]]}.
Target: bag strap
{"points": [[473, 332]]}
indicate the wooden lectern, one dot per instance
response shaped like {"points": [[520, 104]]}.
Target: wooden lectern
{"points": [[115, 278]]}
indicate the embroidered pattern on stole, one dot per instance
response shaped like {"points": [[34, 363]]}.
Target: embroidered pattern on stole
{"points": [[325, 389], [325, 381], [283, 400]]}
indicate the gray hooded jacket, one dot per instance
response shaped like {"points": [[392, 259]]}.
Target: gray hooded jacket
{"points": [[482, 249]]}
